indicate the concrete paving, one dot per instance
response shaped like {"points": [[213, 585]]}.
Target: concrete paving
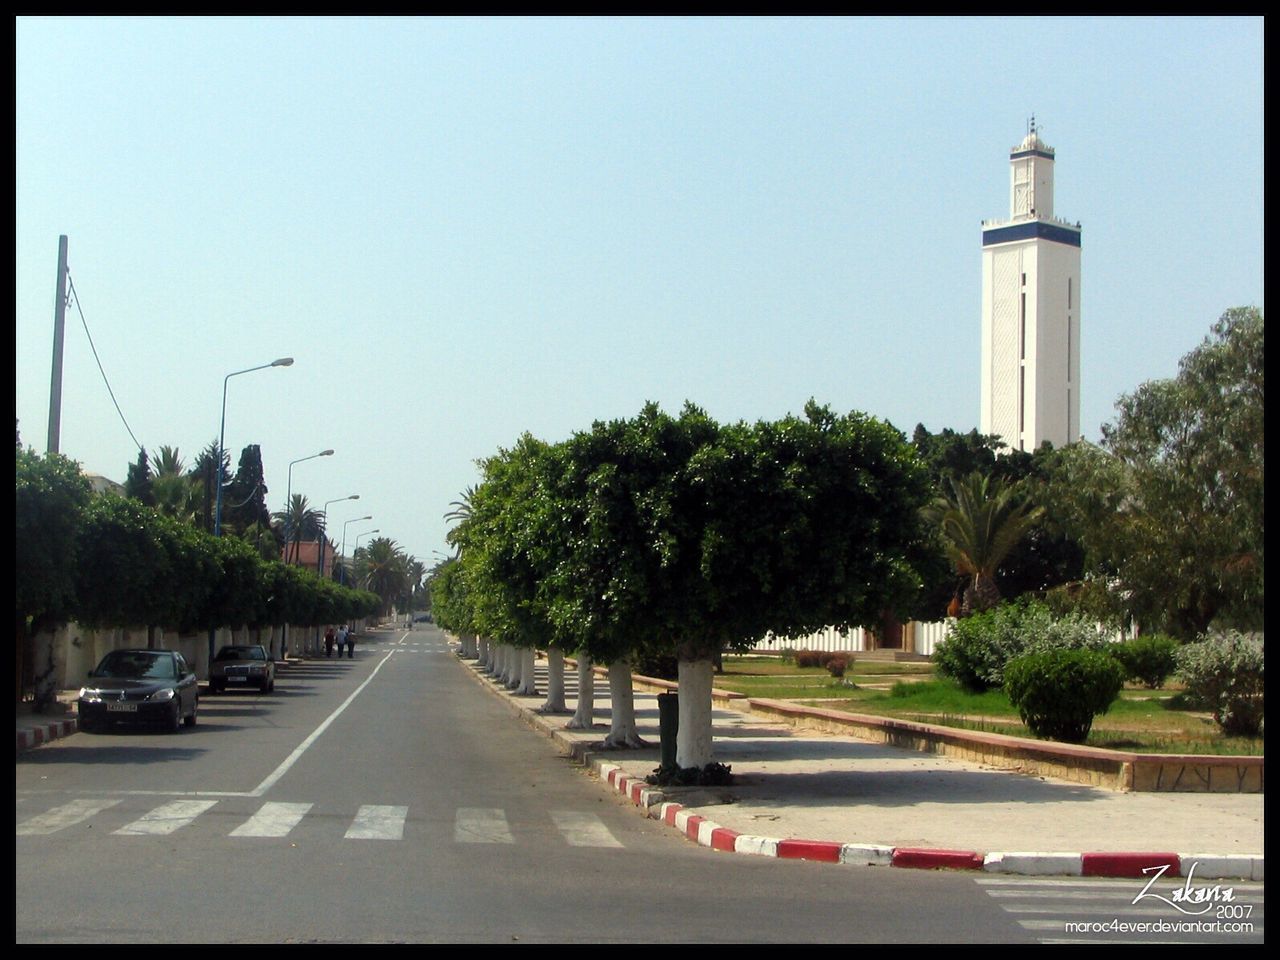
{"points": [[792, 784]]}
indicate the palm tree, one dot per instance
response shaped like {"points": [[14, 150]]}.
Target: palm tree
{"points": [[461, 513], [301, 523], [175, 492], [385, 571], [981, 522]]}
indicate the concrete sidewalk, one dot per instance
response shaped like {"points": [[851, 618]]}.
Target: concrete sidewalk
{"points": [[818, 796]]}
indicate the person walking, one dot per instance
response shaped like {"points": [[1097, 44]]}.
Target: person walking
{"points": [[328, 640], [342, 639], [351, 643]]}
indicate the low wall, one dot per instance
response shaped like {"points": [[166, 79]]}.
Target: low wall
{"points": [[1111, 769]]}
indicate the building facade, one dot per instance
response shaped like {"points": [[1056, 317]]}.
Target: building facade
{"points": [[1031, 310]]}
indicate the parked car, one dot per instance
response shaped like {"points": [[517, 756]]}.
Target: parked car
{"points": [[242, 665], [139, 686]]}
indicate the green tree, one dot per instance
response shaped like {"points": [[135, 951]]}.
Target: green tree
{"points": [[51, 497], [175, 493], [301, 523], [245, 498], [1169, 509], [384, 572], [981, 522], [206, 473], [137, 483]]}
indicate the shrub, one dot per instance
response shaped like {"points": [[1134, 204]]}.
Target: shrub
{"points": [[1225, 673], [808, 658], [978, 647], [1147, 659], [837, 664], [1058, 692], [787, 654]]}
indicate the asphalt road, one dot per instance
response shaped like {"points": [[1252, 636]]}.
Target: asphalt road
{"points": [[389, 798]]}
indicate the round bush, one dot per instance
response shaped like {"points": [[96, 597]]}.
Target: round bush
{"points": [[977, 648], [837, 664], [1225, 673], [1147, 659], [1058, 692]]}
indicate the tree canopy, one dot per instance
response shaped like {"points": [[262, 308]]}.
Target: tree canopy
{"points": [[1169, 508]]}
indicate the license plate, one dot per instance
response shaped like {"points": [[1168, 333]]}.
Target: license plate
{"points": [[237, 679], [122, 708]]}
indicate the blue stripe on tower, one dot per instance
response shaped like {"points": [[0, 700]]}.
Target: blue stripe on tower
{"points": [[1031, 230]]}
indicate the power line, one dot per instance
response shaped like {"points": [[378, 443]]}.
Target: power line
{"points": [[85, 324]]}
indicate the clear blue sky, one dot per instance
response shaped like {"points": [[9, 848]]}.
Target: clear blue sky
{"points": [[465, 229]]}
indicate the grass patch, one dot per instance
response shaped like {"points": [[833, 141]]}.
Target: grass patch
{"points": [[1141, 720]]}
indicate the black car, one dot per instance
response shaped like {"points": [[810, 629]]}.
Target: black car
{"points": [[139, 686], [242, 665]]}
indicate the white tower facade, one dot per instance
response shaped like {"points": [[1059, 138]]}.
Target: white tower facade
{"points": [[1031, 310]]}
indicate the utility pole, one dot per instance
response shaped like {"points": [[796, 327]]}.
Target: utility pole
{"points": [[59, 324]]}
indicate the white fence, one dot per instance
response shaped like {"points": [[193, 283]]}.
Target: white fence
{"points": [[916, 638]]}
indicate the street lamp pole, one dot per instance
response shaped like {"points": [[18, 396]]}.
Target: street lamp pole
{"points": [[222, 437], [288, 498], [342, 575], [324, 532]]}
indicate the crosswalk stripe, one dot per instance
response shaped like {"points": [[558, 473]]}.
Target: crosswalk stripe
{"points": [[166, 818], [583, 829], [481, 825], [378, 823], [77, 811], [272, 820]]}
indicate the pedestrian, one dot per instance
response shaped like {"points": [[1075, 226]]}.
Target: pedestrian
{"points": [[342, 639], [351, 643], [328, 640]]}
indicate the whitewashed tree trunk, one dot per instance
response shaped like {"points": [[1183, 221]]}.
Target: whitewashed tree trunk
{"points": [[693, 740], [499, 661], [584, 716], [555, 683], [622, 709], [515, 670], [528, 664], [46, 688], [482, 646]]}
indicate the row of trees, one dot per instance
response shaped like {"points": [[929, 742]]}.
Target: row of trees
{"points": [[685, 537], [163, 481], [111, 561]]}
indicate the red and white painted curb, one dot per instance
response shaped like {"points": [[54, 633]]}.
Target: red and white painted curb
{"points": [[708, 833], [42, 733]]}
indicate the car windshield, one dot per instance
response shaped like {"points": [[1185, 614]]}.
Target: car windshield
{"points": [[241, 653], [136, 665]]}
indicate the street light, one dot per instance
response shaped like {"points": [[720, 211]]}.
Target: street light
{"points": [[222, 436], [356, 549], [324, 533], [222, 433], [342, 573], [288, 497]]}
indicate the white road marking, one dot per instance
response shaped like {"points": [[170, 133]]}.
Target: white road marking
{"points": [[481, 825], [293, 758], [272, 820], [583, 829], [69, 814], [378, 823], [166, 818]]}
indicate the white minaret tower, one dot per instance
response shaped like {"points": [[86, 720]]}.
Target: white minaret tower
{"points": [[1031, 310]]}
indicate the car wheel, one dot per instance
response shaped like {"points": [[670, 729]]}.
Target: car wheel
{"points": [[174, 722], [191, 720]]}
